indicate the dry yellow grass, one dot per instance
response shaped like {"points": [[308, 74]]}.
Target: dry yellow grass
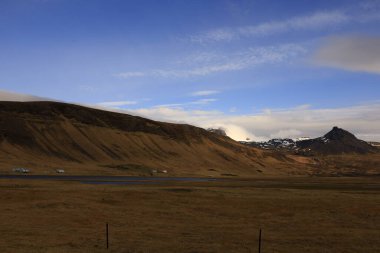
{"points": [[297, 215]]}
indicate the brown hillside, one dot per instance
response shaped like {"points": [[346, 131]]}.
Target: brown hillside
{"points": [[47, 135]]}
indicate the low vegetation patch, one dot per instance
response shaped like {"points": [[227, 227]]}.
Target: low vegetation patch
{"points": [[131, 168]]}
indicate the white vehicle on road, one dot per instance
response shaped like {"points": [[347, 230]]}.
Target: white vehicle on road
{"points": [[21, 170]]}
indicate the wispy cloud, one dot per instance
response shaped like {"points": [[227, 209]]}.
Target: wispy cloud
{"points": [[231, 62], [204, 93], [116, 104], [318, 20], [353, 53], [130, 74], [200, 71], [204, 101], [371, 5], [200, 57], [221, 34]]}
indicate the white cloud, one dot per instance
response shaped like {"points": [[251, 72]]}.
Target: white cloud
{"points": [[353, 53], [315, 21], [204, 93], [116, 104], [238, 132], [318, 20], [130, 74], [177, 105], [214, 35], [200, 57], [233, 62], [203, 101], [199, 71], [363, 120]]}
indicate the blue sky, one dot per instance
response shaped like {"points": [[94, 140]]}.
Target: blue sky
{"points": [[260, 69]]}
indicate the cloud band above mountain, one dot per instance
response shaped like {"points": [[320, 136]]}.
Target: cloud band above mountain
{"points": [[362, 120]]}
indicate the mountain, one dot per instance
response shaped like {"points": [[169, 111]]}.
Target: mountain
{"points": [[46, 135], [337, 141], [337, 153], [274, 144]]}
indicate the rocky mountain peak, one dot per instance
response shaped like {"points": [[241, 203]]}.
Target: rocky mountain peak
{"points": [[339, 134]]}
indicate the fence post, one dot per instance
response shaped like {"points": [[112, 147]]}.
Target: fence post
{"points": [[107, 235], [260, 241]]}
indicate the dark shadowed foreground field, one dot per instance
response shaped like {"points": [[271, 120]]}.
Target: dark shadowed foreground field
{"points": [[296, 215]]}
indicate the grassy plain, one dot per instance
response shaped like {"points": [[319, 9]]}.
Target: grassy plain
{"points": [[296, 214]]}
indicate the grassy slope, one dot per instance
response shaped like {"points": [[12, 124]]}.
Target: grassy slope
{"points": [[46, 135]]}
